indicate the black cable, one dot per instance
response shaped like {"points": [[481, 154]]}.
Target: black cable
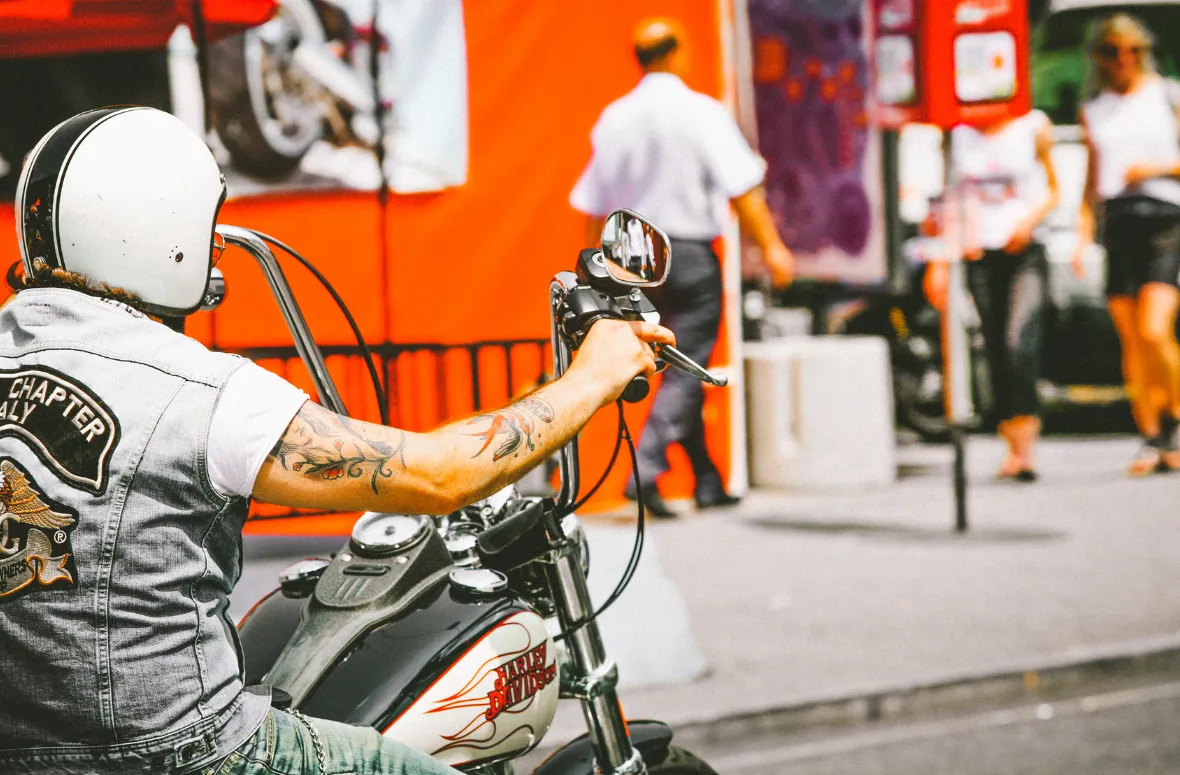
{"points": [[201, 41], [378, 388], [378, 105], [636, 549], [610, 465], [379, 150]]}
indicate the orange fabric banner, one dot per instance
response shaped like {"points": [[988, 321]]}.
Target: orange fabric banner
{"points": [[473, 263]]}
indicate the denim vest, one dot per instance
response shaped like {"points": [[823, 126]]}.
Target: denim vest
{"points": [[116, 554]]}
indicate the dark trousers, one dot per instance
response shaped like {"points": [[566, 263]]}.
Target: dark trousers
{"points": [[689, 304], [1010, 294]]}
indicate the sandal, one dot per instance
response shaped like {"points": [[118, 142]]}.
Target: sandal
{"points": [[1149, 459], [1169, 447], [1025, 475], [1015, 470]]}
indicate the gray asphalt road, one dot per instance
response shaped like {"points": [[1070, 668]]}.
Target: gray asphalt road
{"points": [[1125, 731]]}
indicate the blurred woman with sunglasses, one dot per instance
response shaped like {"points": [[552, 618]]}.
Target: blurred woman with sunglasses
{"points": [[1005, 171], [1133, 138]]}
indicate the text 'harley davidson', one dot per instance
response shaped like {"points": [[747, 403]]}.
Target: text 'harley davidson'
{"points": [[457, 635]]}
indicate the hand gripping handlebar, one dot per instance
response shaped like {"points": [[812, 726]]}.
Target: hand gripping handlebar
{"points": [[583, 306]]}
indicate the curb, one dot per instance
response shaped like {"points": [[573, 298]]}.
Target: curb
{"points": [[997, 684], [991, 685]]}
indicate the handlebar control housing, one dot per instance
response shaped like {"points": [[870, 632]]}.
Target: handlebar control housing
{"points": [[582, 307]]}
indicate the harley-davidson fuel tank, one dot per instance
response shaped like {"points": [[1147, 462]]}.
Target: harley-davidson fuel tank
{"points": [[445, 660]]}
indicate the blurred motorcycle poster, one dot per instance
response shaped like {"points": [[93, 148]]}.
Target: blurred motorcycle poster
{"points": [[290, 104], [823, 181], [311, 120]]}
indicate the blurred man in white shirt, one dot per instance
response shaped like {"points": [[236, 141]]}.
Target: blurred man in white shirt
{"points": [[677, 157]]}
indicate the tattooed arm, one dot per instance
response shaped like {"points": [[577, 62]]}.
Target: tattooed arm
{"points": [[328, 461]]}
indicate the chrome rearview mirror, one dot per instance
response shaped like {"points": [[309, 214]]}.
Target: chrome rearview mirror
{"points": [[635, 252], [215, 291]]}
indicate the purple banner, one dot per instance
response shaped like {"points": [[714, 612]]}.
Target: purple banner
{"points": [[811, 86]]}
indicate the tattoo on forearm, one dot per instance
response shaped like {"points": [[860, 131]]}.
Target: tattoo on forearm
{"points": [[324, 445], [516, 423]]}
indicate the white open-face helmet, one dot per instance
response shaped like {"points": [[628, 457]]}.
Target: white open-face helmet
{"points": [[124, 196]]}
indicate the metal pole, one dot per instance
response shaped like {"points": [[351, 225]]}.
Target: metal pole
{"points": [[895, 266], [958, 435], [956, 357]]}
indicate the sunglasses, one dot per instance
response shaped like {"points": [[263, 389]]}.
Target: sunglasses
{"points": [[1110, 51], [218, 248]]}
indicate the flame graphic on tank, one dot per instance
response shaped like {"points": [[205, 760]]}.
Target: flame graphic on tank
{"points": [[519, 676], [496, 699]]}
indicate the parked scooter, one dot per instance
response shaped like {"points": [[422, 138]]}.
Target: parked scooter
{"points": [[458, 634]]}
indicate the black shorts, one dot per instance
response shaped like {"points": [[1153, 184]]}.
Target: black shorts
{"points": [[1142, 241]]}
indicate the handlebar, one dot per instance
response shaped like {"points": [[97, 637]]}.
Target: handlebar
{"points": [[637, 390]]}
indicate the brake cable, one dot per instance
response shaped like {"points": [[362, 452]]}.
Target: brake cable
{"points": [[610, 465], [366, 353], [637, 547]]}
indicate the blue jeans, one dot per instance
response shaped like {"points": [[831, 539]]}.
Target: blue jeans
{"points": [[284, 745], [689, 304]]}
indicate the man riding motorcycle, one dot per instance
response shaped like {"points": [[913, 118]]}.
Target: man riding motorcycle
{"points": [[128, 453]]}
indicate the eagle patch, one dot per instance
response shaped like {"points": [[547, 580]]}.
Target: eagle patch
{"points": [[35, 550]]}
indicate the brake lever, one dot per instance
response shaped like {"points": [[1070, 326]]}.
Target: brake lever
{"points": [[674, 357]]}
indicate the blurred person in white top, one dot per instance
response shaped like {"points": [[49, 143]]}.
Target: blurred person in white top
{"points": [[1133, 138], [1004, 170], [676, 157]]}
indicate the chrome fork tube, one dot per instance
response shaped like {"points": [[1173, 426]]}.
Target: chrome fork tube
{"points": [[594, 674]]}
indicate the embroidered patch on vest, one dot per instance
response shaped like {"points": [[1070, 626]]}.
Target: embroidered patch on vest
{"points": [[69, 428], [35, 547]]}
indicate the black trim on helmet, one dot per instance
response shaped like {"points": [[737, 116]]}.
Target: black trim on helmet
{"points": [[39, 197]]}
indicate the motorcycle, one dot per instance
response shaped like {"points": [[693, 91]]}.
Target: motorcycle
{"points": [[457, 635]]}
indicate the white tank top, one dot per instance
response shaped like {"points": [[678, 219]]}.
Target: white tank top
{"points": [[1001, 175], [1135, 128]]}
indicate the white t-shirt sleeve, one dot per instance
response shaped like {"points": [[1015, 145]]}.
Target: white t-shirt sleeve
{"points": [[733, 166], [254, 409]]}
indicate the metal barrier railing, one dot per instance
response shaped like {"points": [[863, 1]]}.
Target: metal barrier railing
{"points": [[427, 384]]}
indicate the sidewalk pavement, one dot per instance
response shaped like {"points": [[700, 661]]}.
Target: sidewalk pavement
{"points": [[791, 598]]}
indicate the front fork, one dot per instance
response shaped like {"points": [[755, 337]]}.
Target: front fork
{"points": [[591, 675]]}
